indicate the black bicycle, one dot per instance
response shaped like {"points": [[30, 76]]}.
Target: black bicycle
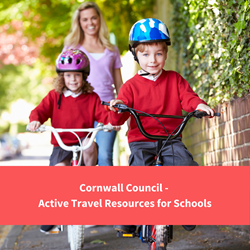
{"points": [[156, 236]]}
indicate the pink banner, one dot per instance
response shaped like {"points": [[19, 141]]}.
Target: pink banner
{"points": [[125, 195]]}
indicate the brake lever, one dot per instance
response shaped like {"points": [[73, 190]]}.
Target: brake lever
{"points": [[121, 107]]}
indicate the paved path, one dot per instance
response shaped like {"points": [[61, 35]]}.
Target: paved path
{"points": [[202, 238]]}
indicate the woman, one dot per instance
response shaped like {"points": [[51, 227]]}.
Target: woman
{"points": [[89, 33]]}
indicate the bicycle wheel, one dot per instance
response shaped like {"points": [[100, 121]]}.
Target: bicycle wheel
{"points": [[69, 233], [76, 237], [159, 235]]}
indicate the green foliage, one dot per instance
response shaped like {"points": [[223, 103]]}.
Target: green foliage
{"points": [[46, 23], [4, 127], [121, 15], [215, 35], [21, 82], [50, 20], [46, 20]]}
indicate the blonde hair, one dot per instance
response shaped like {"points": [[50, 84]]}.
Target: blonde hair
{"points": [[59, 85], [76, 35], [141, 46]]}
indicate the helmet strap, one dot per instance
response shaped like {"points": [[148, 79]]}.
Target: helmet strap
{"points": [[59, 101], [136, 59], [135, 56], [145, 74]]}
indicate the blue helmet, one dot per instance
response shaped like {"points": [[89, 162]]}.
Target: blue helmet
{"points": [[148, 30]]}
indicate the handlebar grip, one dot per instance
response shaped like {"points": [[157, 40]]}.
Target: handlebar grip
{"points": [[40, 129], [107, 106], [202, 113], [105, 103], [28, 130], [118, 107]]}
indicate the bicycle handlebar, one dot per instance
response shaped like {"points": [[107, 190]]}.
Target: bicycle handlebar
{"points": [[124, 108], [74, 148]]}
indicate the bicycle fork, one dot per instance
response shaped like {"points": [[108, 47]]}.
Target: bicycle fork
{"points": [[75, 159], [158, 157]]}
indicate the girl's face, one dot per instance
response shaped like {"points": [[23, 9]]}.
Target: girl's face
{"points": [[73, 81], [90, 21]]}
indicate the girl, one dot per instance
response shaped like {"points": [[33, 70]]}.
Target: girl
{"points": [[72, 104]]}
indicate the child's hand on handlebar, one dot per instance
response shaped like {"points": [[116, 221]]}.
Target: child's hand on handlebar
{"points": [[207, 109], [115, 128], [33, 126], [114, 102]]}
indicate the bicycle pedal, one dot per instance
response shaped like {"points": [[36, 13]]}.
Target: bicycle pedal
{"points": [[126, 235]]}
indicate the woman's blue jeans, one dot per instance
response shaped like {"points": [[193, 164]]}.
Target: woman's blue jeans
{"points": [[105, 141]]}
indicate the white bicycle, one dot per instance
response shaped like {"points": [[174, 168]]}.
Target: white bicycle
{"points": [[75, 232]]}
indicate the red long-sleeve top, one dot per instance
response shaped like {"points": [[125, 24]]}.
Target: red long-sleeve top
{"points": [[168, 95], [79, 112]]}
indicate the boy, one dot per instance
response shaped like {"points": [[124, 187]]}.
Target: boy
{"points": [[155, 91]]}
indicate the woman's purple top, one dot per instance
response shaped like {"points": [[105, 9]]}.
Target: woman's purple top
{"points": [[101, 75]]}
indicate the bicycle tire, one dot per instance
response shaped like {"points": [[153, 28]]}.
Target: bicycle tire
{"points": [[159, 235], [69, 233], [76, 237]]}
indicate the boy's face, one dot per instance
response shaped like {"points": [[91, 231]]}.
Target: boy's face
{"points": [[152, 59], [73, 81]]}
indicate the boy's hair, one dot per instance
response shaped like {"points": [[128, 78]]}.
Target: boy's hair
{"points": [[141, 47], [59, 84]]}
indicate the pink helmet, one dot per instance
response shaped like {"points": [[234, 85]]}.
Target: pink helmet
{"points": [[72, 60]]}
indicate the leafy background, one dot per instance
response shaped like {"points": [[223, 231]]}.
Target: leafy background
{"points": [[212, 40], [32, 35]]}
